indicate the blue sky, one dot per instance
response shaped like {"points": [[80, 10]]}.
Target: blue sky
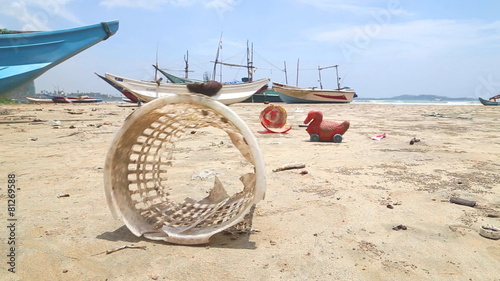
{"points": [[384, 48]]}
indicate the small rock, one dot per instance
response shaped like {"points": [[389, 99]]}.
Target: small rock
{"points": [[399, 227]]}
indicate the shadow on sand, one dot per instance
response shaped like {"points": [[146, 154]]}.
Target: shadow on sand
{"points": [[219, 240]]}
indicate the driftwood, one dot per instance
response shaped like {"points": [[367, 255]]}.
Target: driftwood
{"points": [[461, 201], [290, 167], [121, 248]]}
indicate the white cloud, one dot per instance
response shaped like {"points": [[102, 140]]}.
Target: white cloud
{"points": [[415, 38], [358, 7], [219, 5], [36, 14]]}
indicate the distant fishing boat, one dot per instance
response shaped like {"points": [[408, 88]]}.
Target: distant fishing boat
{"points": [[39, 100], [80, 99], [148, 91], [292, 94], [25, 56], [491, 101]]}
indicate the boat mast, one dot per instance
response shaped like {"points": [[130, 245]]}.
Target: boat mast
{"points": [[186, 69], [319, 72], [250, 63], [297, 80], [217, 58], [286, 74], [336, 70], [156, 68]]}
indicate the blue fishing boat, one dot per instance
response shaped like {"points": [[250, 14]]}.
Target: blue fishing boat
{"points": [[491, 101], [25, 56]]}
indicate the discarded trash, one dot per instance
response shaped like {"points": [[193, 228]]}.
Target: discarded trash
{"points": [[379, 137], [121, 248], [445, 116], [273, 119], [490, 232], [461, 201], [323, 130], [55, 123], [33, 139], [63, 195], [204, 175], [290, 167], [414, 140], [138, 176], [400, 227]]}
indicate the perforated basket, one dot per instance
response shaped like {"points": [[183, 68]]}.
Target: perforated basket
{"points": [[164, 156]]}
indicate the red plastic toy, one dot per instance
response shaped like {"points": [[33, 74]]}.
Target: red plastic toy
{"points": [[323, 130], [273, 118]]}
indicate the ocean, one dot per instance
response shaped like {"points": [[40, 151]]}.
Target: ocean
{"points": [[416, 102]]}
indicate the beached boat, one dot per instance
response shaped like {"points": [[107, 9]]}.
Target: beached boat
{"points": [[39, 100], [80, 99], [292, 94], [176, 79], [491, 101], [25, 56], [264, 95], [129, 97], [147, 91]]}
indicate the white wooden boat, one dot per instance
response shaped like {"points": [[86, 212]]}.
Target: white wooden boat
{"points": [[292, 94], [148, 91], [39, 100]]}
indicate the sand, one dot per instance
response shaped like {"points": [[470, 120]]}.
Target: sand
{"points": [[334, 222]]}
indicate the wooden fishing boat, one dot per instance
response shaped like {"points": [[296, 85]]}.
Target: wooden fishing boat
{"points": [[264, 95], [39, 100], [491, 101], [148, 91], [292, 94], [25, 56], [129, 97], [80, 99]]}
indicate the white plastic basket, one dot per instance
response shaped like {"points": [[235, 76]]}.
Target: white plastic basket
{"points": [[142, 180]]}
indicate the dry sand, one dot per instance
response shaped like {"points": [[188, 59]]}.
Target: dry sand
{"points": [[333, 223]]}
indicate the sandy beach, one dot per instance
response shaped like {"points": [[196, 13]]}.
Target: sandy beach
{"points": [[338, 221]]}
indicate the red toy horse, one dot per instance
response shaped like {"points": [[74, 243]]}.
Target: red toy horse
{"points": [[323, 130]]}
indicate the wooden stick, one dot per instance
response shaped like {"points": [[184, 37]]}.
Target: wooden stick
{"points": [[461, 201], [121, 248], [290, 166]]}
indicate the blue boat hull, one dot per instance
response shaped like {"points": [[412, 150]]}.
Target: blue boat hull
{"points": [[487, 102], [26, 56]]}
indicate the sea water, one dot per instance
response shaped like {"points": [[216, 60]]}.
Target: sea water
{"points": [[416, 102]]}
